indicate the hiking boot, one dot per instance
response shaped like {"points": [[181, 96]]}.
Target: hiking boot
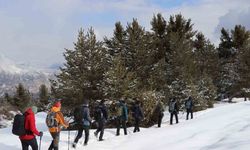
{"points": [[74, 145], [101, 139], [85, 144]]}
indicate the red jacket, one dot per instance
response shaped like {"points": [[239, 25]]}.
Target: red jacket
{"points": [[30, 125]]}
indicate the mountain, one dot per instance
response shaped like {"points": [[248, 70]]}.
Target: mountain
{"points": [[12, 74], [222, 128]]}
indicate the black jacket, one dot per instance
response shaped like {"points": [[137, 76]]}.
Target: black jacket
{"points": [[137, 112]]}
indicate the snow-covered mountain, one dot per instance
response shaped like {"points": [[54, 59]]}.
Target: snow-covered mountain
{"points": [[12, 74], [222, 128]]}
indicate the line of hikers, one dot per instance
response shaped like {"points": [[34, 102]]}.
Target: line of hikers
{"points": [[24, 125]]}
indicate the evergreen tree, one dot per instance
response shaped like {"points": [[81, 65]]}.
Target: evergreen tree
{"points": [[22, 97], [231, 46], [117, 44], [128, 51], [82, 77], [241, 38], [138, 53], [43, 97], [179, 55], [159, 25], [206, 56], [118, 78], [8, 98], [121, 82], [158, 47]]}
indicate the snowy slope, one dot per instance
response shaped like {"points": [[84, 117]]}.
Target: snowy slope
{"points": [[12, 74], [8, 66], [222, 128]]}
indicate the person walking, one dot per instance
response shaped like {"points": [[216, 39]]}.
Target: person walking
{"points": [[29, 139], [189, 107], [101, 117], [122, 117], [55, 121], [83, 121], [174, 110], [159, 111], [137, 114]]}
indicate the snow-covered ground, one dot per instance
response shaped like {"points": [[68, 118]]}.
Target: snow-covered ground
{"points": [[222, 128]]}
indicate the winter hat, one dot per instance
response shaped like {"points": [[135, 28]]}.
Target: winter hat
{"points": [[34, 109], [57, 104]]}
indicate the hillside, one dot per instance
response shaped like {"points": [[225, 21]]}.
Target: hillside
{"points": [[12, 74], [224, 127]]}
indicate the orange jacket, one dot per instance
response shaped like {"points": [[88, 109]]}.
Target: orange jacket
{"points": [[59, 118]]}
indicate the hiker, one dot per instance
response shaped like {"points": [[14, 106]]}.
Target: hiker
{"points": [[83, 120], [137, 114], [159, 110], [101, 117], [174, 110], [55, 121], [29, 138], [189, 107], [122, 117]]}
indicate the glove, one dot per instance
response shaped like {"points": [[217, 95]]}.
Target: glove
{"points": [[40, 133]]}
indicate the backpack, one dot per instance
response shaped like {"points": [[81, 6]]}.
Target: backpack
{"points": [[172, 107], [85, 120], [125, 112], [51, 120], [18, 127], [99, 114], [137, 112], [188, 104], [78, 115]]}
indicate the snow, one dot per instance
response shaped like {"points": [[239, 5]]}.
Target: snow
{"points": [[8, 66], [222, 128]]}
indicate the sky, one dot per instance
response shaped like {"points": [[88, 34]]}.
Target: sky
{"points": [[36, 32]]}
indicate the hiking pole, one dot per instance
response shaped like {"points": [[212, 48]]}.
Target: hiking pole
{"points": [[68, 138], [40, 143]]}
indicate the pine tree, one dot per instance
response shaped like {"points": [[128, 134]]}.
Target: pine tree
{"points": [[179, 55], [8, 98], [231, 46], [206, 60], [129, 52], [118, 78], [121, 82], [22, 97], [158, 47], [206, 56], [82, 77], [159, 28], [241, 39], [138, 53], [43, 97]]}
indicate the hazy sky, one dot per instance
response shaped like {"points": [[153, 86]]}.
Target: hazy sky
{"points": [[36, 32]]}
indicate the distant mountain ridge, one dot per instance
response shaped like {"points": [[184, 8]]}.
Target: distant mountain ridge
{"points": [[11, 75]]}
